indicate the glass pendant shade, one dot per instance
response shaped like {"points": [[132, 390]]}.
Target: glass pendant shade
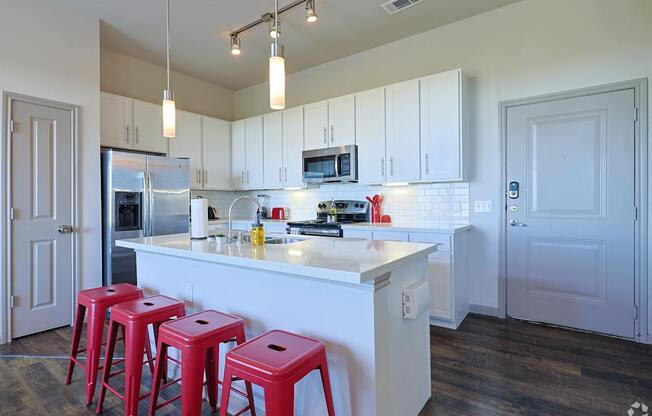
{"points": [[169, 117], [276, 79]]}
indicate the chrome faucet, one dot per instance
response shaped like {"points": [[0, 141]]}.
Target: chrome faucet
{"points": [[229, 236]]}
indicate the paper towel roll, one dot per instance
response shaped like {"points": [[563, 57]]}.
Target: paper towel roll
{"points": [[199, 216]]}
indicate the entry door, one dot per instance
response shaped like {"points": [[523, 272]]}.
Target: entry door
{"points": [[41, 232], [570, 224]]}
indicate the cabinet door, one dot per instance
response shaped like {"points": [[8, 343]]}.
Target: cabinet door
{"points": [[293, 147], [370, 135], [391, 236], [440, 281], [402, 124], [341, 116], [316, 119], [148, 127], [441, 140], [187, 143], [273, 150], [216, 154], [254, 149], [238, 152], [115, 120]]}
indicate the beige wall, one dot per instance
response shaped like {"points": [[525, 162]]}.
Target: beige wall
{"points": [[524, 49], [48, 52], [123, 75]]}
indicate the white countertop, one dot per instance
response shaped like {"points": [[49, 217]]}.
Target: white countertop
{"points": [[348, 260], [408, 227]]}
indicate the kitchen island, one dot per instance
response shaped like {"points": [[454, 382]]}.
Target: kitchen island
{"points": [[346, 292]]}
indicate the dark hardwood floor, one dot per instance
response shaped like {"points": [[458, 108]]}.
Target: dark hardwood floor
{"points": [[487, 367]]}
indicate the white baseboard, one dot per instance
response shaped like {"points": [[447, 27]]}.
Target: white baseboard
{"points": [[484, 310]]}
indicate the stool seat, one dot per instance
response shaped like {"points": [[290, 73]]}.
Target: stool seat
{"points": [[145, 309], [109, 295], [276, 353], [200, 328]]}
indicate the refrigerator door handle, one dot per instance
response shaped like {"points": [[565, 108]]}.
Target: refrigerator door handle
{"points": [[150, 205]]}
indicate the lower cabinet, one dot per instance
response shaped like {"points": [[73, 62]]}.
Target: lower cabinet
{"points": [[447, 270]]}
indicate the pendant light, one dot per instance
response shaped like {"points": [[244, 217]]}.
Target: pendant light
{"points": [[276, 70], [169, 108]]}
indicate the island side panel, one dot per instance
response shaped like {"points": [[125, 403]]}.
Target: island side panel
{"points": [[342, 315], [402, 345]]}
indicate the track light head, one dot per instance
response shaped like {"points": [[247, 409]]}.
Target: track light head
{"points": [[273, 30], [311, 16], [235, 45]]}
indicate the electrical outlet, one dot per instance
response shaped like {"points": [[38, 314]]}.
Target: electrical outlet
{"points": [[482, 206]]}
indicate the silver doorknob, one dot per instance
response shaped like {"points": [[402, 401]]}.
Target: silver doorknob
{"points": [[65, 229], [515, 223]]}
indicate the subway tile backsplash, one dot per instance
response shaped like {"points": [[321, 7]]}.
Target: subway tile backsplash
{"points": [[437, 205]]}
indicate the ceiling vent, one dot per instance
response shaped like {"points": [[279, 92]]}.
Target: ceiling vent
{"points": [[395, 6]]}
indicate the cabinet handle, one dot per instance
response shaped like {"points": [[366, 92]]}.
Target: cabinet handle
{"points": [[137, 135], [382, 166], [325, 135], [242, 178], [127, 134], [280, 178], [427, 164], [205, 177], [286, 175], [247, 176], [332, 134], [391, 166]]}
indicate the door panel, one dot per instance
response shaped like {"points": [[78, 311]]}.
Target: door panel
{"points": [[254, 148], [341, 114], [316, 119], [41, 257], [570, 249], [273, 150], [217, 153], [148, 127], [238, 155], [115, 121], [293, 147], [169, 196], [188, 143], [402, 130], [370, 135]]}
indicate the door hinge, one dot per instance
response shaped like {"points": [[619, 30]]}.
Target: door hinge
{"points": [[11, 126], [12, 301], [635, 312], [635, 114]]}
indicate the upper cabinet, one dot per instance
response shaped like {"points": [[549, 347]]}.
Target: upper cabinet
{"points": [[444, 127], [131, 124], [255, 152], [273, 150], [330, 123], [370, 135], [188, 143], [402, 132], [116, 120], [316, 119], [293, 147], [216, 153], [238, 155]]}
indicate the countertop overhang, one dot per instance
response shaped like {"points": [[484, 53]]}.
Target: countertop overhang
{"points": [[345, 260]]}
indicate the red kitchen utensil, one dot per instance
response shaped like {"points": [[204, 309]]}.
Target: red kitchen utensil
{"points": [[386, 218]]}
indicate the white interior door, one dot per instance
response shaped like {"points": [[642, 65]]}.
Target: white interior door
{"points": [[570, 228], [41, 195]]}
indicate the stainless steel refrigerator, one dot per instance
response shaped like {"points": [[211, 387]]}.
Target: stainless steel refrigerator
{"points": [[142, 195]]}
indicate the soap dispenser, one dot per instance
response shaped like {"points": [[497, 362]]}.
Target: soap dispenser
{"points": [[257, 232]]}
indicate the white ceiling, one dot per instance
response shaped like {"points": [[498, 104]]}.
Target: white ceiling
{"points": [[200, 31]]}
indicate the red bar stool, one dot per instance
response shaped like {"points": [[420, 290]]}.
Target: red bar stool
{"points": [[134, 317], [198, 337], [276, 360], [96, 301]]}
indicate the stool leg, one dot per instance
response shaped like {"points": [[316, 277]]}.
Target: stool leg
{"points": [[148, 352], [136, 335], [211, 376], [108, 361], [279, 400], [95, 330], [161, 363], [240, 339], [326, 382], [192, 381], [76, 337], [226, 390]]}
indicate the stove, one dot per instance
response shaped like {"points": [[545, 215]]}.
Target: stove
{"points": [[346, 212]]}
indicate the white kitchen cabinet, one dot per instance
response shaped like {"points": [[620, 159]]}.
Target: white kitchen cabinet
{"points": [[402, 131], [216, 153], [254, 161], [116, 121], [447, 276], [148, 127], [188, 143], [316, 122], [348, 233], [238, 155], [273, 150], [293, 147], [391, 235], [444, 127], [341, 119], [370, 135]]}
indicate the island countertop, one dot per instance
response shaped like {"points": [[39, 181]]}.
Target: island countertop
{"points": [[346, 260]]}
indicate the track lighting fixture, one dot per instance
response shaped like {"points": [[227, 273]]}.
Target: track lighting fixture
{"points": [[235, 45], [311, 16], [274, 28]]}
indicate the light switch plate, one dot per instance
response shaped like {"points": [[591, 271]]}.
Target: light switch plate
{"points": [[482, 206]]}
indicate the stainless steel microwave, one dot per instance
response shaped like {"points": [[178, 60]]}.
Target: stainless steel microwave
{"points": [[333, 164]]}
